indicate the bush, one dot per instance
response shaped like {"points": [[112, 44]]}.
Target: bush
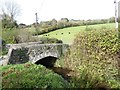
{"points": [[8, 35], [31, 76], [23, 36], [94, 56], [4, 50], [13, 36], [7, 23], [50, 40]]}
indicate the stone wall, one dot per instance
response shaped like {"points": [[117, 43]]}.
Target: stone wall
{"points": [[19, 56]]}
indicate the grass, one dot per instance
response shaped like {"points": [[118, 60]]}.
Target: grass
{"points": [[67, 35]]}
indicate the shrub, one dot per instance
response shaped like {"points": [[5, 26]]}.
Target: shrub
{"points": [[13, 36], [50, 40], [94, 56], [8, 35], [24, 36], [8, 24], [4, 50], [31, 76]]}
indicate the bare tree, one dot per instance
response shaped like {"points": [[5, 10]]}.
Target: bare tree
{"points": [[11, 8]]}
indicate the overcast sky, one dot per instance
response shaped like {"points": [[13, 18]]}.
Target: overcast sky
{"points": [[71, 9]]}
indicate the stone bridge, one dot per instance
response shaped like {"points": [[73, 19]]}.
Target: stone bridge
{"points": [[35, 52]]}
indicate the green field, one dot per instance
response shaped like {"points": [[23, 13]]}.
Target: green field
{"points": [[67, 35]]}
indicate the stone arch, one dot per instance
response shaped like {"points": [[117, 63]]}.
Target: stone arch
{"points": [[36, 58], [48, 61]]}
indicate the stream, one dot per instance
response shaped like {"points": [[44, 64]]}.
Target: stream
{"points": [[64, 72]]}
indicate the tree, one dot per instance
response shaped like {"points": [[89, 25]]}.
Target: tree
{"points": [[112, 20], [8, 22], [10, 8]]}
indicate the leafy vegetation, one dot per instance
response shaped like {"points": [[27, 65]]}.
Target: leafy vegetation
{"points": [[94, 57], [9, 35], [50, 40], [8, 22], [21, 36], [31, 76]]}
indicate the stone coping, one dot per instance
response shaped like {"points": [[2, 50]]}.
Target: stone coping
{"points": [[31, 44]]}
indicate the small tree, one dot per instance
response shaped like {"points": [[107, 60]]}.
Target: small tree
{"points": [[7, 22], [10, 10], [112, 20]]}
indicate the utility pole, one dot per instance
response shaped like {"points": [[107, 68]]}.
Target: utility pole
{"points": [[36, 18], [117, 16], [116, 21], [119, 19], [36, 24], [119, 32]]}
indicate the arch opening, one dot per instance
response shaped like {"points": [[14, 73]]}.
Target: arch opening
{"points": [[47, 61]]}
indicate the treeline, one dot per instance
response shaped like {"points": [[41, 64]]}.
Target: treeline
{"points": [[48, 26]]}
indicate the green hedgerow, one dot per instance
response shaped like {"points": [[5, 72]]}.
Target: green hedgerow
{"points": [[94, 56]]}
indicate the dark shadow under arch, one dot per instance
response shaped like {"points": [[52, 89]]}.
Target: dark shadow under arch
{"points": [[47, 61]]}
